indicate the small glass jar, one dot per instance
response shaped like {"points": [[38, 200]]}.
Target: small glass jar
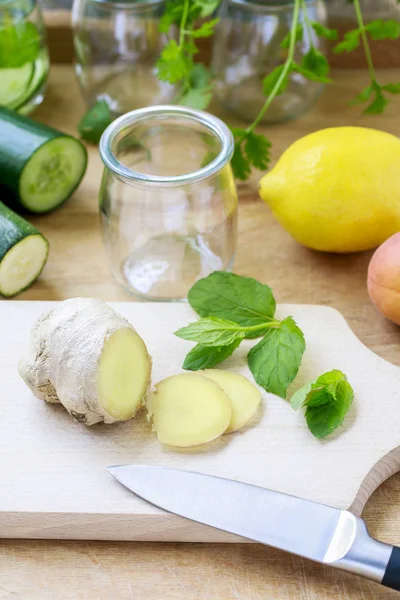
{"points": [[247, 47], [168, 199], [117, 45], [24, 59]]}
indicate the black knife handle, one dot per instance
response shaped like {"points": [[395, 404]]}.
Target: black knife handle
{"points": [[391, 577]]}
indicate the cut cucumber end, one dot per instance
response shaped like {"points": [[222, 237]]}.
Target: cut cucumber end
{"points": [[52, 174], [22, 264]]}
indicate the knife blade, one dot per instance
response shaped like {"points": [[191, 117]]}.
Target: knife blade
{"points": [[314, 531]]}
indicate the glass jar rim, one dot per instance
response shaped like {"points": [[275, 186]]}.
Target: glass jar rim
{"points": [[212, 123]]}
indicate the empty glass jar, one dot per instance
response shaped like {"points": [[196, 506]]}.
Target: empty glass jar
{"points": [[247, 47], [117, 44], [168, 199]]}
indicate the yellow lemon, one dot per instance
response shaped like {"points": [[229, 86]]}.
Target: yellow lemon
{"points": [[338, 189]]}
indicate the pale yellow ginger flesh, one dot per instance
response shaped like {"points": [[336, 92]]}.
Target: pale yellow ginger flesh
{"points": [[188, 410], [123, 374], [244, 396], [89, 358]]}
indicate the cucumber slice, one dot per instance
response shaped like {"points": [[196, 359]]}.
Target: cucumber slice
{"points": [[40, 167], [51, 174], [14, 83], [23, 252]]}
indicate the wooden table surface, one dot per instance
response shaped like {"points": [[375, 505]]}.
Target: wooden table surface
{"points": [[51, 570]]}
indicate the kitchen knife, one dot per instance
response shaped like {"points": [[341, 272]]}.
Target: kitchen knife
{"points": [[321, 533]]}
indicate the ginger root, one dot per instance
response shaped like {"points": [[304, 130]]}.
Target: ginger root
{"points": [[90, 359]]}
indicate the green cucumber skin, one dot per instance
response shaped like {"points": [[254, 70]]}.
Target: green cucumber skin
{"points": [[13, 229], [20, 138]]}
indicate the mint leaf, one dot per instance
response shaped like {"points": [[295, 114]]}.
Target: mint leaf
{"points": [[243, 300], [206, 357], [384, 30], [275, 360], [212, 331], [19, 44], [298, 398], [94, 122], [270, 81], [257, 148], [327, 401], [350, 42], [322, 31], [285, 43]]}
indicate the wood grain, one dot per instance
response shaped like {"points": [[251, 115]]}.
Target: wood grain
{"points": [[44, 570]]}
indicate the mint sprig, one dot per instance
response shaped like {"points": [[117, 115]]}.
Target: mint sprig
{"points": [[233, 308], [326, 400]]}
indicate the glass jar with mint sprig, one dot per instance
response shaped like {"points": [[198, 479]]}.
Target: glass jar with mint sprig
{"points": [[252, 38], [24, 60]]}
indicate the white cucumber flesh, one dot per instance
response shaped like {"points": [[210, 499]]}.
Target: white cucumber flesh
{"points": [[22, 264], [14, 83]]}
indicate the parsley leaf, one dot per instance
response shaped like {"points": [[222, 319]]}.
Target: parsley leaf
{"points": [[299, 34], [322, 31], [270, 81], [206, 7], [243, 300], [200, 88], [212, 331], [384, 30], [206, 357], [257, 149], [392, 88], [172, 66], [94, 122], [206, 29], [240, 164], [276, 359], [327, 401], [314, 66], [351, 41]]}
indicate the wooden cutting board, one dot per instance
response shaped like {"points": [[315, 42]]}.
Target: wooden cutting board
{"points": [[53, 477]]}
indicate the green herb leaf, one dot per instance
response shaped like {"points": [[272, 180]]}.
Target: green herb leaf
{"points": [[299, 397], [322, 31], [276, 359], [392, 88], [327, 403], [19, 44], [314, 66], [364, 95], [206, 357], [206, 29], [206, 7], [299, 34], [212, 331], [271, 80], [94, 122], [257, 149], [384, 30], [350, 42], [172, 15], [197, 98], [242, 300], [379, 103], [240, 163], [172, 65]]}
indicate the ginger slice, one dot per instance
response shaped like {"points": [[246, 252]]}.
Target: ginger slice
{"points": [[188, 410], [244, 396]]}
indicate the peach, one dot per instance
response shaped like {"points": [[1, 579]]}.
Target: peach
{"points": [[384, 278]]}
